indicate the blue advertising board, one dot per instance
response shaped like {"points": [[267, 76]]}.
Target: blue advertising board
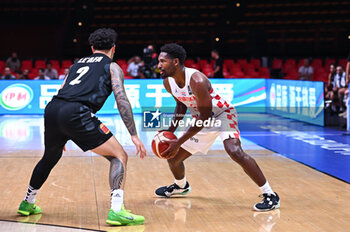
{"points": [[300, 100], [31, 96]]}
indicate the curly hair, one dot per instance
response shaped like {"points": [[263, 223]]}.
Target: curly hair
{"points": [[103, 38], [174, 51]]}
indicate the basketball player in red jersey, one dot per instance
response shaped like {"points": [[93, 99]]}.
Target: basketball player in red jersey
{"points": [[192, 90]]}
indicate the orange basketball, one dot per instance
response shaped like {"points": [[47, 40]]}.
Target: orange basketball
{"points": [[159, 142]]}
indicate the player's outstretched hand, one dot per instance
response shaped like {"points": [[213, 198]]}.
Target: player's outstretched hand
{"points": [[172, 150], [139, 146]]}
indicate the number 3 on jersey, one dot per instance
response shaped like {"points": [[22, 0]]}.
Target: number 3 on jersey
{"points": [[82, 71]]}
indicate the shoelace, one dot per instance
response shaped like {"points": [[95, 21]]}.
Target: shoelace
{"points": [[266, 198], [171, 187]]}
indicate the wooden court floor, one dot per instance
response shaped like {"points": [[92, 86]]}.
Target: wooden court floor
{"points": [[76, 194]]}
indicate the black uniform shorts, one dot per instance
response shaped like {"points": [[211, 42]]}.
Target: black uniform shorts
{"points": [[74, 121]]}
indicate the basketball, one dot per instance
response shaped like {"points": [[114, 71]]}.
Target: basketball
{"points": [[159, 142]]}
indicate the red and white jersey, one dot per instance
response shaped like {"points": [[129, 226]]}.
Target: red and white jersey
{"points": [[186, 96]]}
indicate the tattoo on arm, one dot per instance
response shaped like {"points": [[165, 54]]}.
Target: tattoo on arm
{"points": [[116, 173], [124, 107]]}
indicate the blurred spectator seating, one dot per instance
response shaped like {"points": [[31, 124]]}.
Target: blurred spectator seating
{"points": [[329, 61], [40, 64], [342, 62], [264, 72], [276, 68], [202, 63], [2, 66], [189, 62], [256, 63], [56, 64], [316, 63], [66, 63], [229, 62], [277, 64], [27, 64], [232, 68], [242, 62]]}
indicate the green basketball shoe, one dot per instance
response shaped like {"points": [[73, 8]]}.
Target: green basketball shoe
{"points": [[124, 217], [26, 208]]}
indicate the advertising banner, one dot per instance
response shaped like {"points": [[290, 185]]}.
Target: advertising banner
{"points": [[31, 96], [300, 100]]}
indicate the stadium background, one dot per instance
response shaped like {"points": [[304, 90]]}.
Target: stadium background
{"points": [[255, 38], [246, 29]]}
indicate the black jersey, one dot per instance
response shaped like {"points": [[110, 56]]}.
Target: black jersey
{"points": [[88, 82]]}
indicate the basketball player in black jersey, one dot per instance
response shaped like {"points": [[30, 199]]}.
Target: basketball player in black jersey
{"points": [[70, 116]]}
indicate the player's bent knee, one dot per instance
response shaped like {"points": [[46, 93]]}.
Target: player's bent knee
{"points": [[239, 157], [232, 145], [175, 161], [172, 161], [51, 156], [234, 149], [122, 156]]}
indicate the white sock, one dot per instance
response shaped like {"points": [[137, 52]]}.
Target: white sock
{"points": [[266, 188], [31, 195], [181, 183], [117, 196]]}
